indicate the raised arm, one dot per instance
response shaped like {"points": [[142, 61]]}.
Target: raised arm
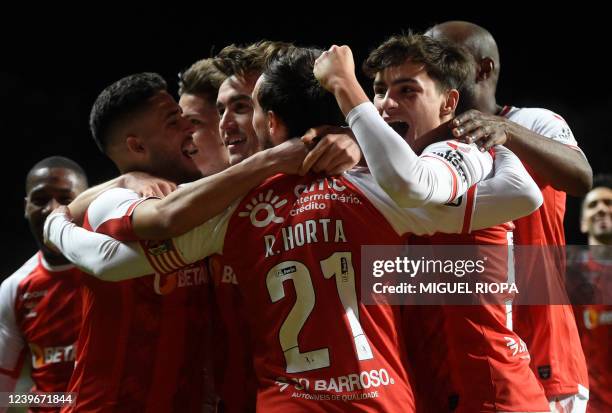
{"points": [[438, 177], [441, 175]]}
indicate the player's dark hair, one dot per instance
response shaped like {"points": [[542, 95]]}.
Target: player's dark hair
{"points": [[119, 102], [290, 90], [55, 162], [449, 65]]}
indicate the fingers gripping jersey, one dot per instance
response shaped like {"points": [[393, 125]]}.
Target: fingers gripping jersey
{"points": [[142, 346], [40, 310], [559, 364], [295, 248]]}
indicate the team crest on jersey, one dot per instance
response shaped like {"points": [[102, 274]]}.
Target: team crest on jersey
{"points": [[261, 209], [158, 247], [544, 372]]}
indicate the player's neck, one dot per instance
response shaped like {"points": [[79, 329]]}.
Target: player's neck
{"points": [[489, 105]]}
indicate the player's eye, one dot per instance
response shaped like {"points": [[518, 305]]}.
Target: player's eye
{"points": [[39, 201], [242, 108], [65, 200]]}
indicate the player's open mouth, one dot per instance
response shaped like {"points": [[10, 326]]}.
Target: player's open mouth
{"points": [[400, 127], [190, 153], [235, 140], [189, 149]]}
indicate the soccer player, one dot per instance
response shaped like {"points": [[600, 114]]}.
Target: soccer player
{"points": [[198, 89], [141, 346], [415, 84], [595, 267], [294, 244], [547, 147], [40, 304], [332, 155]]}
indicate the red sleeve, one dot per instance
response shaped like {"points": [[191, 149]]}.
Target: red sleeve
{"points": [[111, 214]]}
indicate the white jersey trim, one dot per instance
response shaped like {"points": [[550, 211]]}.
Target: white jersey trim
{"points": [[12, 341]]}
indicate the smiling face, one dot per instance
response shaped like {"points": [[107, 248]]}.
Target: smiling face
{"points": [[49, 188], [410, 100], [597, 215], [164, 137], [235, 107], [212, 155]]}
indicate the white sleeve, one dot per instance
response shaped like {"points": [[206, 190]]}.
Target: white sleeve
{"points": [[112, 205], [510, 194], [12, 343], [439, 176], [96, 254], [112, 260], [202, 241], [546, 123]]}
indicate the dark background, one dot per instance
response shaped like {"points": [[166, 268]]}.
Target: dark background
{"points": [[53, 68]]}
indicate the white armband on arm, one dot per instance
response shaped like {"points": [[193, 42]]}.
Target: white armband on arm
{"points": [[96, 254], [510, 194], [439, 176]]}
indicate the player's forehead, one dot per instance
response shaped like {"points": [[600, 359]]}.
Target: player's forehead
{"points": [[162, 104], [406, 72], [195, 105], [56, 179], [235, 88], [598, 194]]}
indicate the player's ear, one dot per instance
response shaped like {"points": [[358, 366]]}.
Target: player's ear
{"points": [[135, 144], [486, 66], [276, 127], [449, 104]]}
